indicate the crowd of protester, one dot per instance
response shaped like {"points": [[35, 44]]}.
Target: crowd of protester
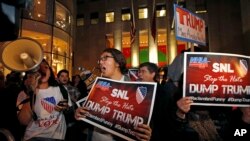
{"points": [[42, 107]]}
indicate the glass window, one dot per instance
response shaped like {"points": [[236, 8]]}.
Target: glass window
{"points": [[162, 47], [126, 47], [143, 13], [80, 20], [38, 31], [110, 17], [109, 40], [62, 18], [126, 16], [40, 10], [61, 51], [94, 18], [160, 10]]}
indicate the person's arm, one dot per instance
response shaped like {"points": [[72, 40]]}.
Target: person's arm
{"points": [[25, 114]]}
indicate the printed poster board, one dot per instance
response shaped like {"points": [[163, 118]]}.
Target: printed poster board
{"points": [[188, 26], [118, 106], [217, 79]]}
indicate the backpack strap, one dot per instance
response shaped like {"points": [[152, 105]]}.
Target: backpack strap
{"points": [[64, 92], [32, 102], [21, 103]]}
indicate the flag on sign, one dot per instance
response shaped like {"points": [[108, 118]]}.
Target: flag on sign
{"points": [[132, 24], [153, 22], [141, 93], [243, 68]]}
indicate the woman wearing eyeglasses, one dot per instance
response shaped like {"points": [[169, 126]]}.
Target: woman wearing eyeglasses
{"points": [[112, 64]]}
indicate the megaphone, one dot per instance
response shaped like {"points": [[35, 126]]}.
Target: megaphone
{"points": [[23, 54]]}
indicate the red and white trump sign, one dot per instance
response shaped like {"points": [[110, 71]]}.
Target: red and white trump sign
{"points": [[118, 106], [188, 26]]}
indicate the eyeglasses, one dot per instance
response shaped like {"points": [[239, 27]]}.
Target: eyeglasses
{"points": [[104, 58]]}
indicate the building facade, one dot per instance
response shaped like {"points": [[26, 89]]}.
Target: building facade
{"points": [[107, 23]]}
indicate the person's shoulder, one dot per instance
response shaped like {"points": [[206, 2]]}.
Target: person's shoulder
{"points": [[162, 93]]}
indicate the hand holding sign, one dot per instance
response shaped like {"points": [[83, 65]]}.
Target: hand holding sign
{"points": [[114, 107]]}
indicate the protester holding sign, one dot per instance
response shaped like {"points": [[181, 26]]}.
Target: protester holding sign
{"points": [[221, 83], [167, 122], [113, 66]]}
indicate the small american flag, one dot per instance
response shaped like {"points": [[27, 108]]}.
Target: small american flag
{"points": [[141, 93]]}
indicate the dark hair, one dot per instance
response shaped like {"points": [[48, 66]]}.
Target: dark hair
{"points": [[77, 75], [81, 86], [119, 58], [62, 71], [52, 80], [152, 67]]}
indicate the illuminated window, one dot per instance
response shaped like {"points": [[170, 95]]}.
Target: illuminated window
{"points": [[143, 13], [110, 17], [80, 20], [160, 10], [126, 14], [62, 17], [94, 18], [61, 50], [39, 11], [109, 40], [126, 48], [162, 47]]}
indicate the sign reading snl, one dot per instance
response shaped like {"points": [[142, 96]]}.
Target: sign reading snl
{"points": [[217, 79], [117, 106], [189, 27]]}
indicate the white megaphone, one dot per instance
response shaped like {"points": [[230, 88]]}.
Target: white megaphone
{"points": [[23, 54]]}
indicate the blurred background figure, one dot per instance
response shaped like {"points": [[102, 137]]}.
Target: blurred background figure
{"points": [[163, 74], [8, 97], [88, 77], [74, 131], [80, 85]]}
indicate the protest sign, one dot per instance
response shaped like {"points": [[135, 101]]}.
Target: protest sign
{"points": [[118, 106], [188, 26], [217, 79]]}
